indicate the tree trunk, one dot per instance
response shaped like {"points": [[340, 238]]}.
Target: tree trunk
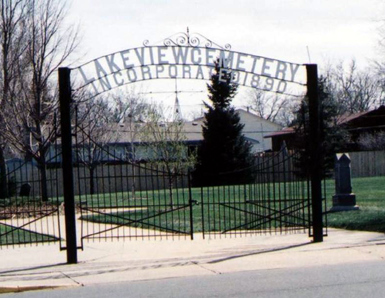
{"points": [[133, 186], [3, 176], [171, 186], [43, 181], [92, 183]]}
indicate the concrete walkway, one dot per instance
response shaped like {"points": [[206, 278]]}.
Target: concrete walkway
{"points": [[133, 260]]}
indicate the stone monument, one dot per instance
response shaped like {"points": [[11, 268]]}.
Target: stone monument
{"points": [[25, 190], [344, 199]]}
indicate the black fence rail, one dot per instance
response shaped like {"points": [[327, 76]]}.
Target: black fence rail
{"points": [[149, 204], [143, 201], [277, 202], [31, 211], [118, 198]]}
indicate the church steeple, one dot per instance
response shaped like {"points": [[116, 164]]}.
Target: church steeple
{"points": [[177, 112]]}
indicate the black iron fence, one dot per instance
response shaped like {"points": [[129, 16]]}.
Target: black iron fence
{"points": [[32, 209], [100, 198], [149, 204], [278, 201], [129, 200]]}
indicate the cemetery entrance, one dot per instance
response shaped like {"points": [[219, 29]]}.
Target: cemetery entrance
{"points": [[109, 194]]}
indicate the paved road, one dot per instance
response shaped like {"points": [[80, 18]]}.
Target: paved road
{"points": [[361, 279]]}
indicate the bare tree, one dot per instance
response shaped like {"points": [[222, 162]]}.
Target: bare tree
{"points": [[13, 45], [273, 107], [47, 43], [354, 90], [130, 110], [165, 144], [370, 141], [379, 65], [95, 133]]}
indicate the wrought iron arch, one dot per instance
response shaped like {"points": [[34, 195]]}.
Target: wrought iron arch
{"points": [[186, 56], [188, 49]]}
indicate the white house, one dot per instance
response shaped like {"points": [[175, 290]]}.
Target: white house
{"points": [[125, 137], [255, 129]]}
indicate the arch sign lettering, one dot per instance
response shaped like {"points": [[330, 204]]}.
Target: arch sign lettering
{"points": [[186, 56]]}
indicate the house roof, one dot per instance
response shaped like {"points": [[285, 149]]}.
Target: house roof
{"points": [[126, 134], [284, 131], [349, 117], [362, 120], [368, 120], [192, 130]]}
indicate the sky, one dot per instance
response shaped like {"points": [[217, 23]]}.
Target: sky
{"points": [[301, 31]]}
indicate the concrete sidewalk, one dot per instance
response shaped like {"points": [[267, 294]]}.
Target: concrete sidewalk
{"points": [[103, 262]]}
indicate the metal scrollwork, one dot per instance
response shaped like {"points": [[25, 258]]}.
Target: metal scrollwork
{"points": [[182, 39], [228, 46], [194, 41], [209, 44], [168, 42]]}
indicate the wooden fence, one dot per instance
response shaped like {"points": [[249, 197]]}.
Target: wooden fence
{"points": [[107, 178], [367, 163]]}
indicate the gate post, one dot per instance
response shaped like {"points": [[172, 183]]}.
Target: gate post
{"points": [[315, 148], [66, 144]]}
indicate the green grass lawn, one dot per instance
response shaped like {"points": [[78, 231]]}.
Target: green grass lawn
{"points": [[224, 209], [11, 235], [370, 196], [155, 210], [22, 212]]}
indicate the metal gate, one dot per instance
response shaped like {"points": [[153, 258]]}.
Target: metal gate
{"points": [[119, 196], [32, 211], [277, 202], [112, 196], [116, 197]]}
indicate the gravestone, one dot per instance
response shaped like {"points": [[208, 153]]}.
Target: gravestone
{"points": [[25, 190], [344, 199]]}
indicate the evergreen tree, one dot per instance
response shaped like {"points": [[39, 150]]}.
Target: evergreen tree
{"points": [[225, 155], [333, 136]]}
